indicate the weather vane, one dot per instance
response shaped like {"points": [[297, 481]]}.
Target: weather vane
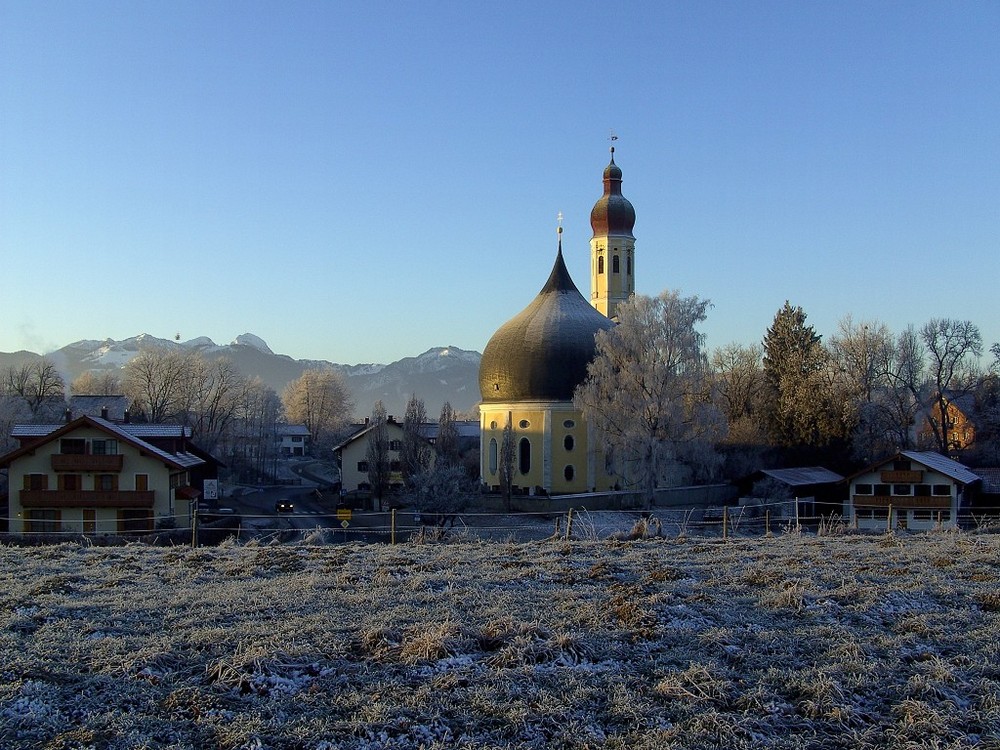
{"points": [[559, 219]]}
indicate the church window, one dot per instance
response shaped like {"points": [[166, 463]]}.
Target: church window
{"points": [[569, 424], [600, 265], [524, 456], [568, 442], [524, 424], [614, 265], [568, 473], [493, 456], [628, 265]]}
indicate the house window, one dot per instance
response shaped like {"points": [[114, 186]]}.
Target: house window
{"points": [[922, 490], [104, 447], [862, 489], [882, 490], [614, 265], [36, 481], [493, 456], [89, 520], [297, 439], [902, 489], [141, 482], [363, 466], [941, 490], [73, 446], [568, 442], [524, 456], [42, 521], [105, 482], [69, 482], [568, 473], [395, 445]]}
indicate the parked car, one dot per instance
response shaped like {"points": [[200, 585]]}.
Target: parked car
{"points": [[284, 505]]}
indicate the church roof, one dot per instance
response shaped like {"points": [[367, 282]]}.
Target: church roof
{"points": [[612, 214], [542, 353]]}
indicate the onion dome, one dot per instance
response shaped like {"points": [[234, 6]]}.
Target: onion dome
{"points": [[612, 214], [542, 353]]}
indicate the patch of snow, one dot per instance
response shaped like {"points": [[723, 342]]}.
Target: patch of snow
{"points": [[248, 339]]}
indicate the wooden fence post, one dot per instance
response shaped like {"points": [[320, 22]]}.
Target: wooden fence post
{"points": [[767, 522], [569, 525], [888, 522], [392, 533], [194, 529], [725, 522]]}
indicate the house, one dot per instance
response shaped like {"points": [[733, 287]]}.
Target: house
{"points": [[960, 410], [352, 453], [911, 490], [292, 439], [91, 475]]}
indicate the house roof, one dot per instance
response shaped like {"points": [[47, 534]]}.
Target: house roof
{"points": [[291, 430], [935, 461], [804, 475], [428, 431], [181, 460], [136, 430]]}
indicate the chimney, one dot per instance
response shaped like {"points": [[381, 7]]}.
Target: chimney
{"points": [[104, 412], [128, 418], [68, 415]]}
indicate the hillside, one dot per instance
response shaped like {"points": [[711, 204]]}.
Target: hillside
{"points": [[788, 642], [440, 374]]}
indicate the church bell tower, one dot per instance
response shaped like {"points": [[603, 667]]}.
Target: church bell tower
{"points": [[612, 248]]}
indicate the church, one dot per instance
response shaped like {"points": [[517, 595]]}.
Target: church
{"points": [[534, 362]]}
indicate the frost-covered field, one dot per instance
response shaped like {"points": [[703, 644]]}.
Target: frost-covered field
{"points": [[787, 642]]}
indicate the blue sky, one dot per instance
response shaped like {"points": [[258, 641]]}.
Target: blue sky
{"points": [[359, 182]]}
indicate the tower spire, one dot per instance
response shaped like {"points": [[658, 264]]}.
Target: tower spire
{"points": [[612, 247]]}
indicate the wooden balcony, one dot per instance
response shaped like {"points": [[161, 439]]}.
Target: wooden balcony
{"points": [[86, 499], [941, 502], [87, 463], [902, 477]]}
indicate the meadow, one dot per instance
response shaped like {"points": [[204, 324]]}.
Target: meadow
{"points": [[789, 641]]}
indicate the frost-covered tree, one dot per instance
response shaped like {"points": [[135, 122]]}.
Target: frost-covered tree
{"points": [[647, 395], [377, 454], [320, 400], [441, 492], [414, 451], [97, 383], [156, 382], [505, 462]]}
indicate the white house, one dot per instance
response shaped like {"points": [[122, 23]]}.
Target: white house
{"points": [[293, 439], [911, 490]]}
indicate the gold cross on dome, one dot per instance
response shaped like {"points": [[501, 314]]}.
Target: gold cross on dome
{"points": [[559, 218]]}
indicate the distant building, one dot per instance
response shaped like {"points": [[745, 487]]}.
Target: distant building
{"points": [[911, 490], [960, 414], [352, 453], [534, 362], [293, 439], [93, 476], [112, 408]]}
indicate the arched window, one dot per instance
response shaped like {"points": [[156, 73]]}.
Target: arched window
{"points": [[600, 265], [524, 456], [614, 265], [568, 473], [493, 456], [628, 265], [568, 442]]}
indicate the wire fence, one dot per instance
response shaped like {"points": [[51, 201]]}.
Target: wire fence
{"points": [[404, 526]]}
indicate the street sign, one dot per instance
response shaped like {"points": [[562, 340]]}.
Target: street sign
{"points": [[345, 524], [343, 514], [211, 489]]}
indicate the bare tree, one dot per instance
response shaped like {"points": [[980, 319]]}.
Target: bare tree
{"points": [[216, 390], [251, 436], [738, 379], [320, 400], [378, 454], [953, 351], [38, 383], [647, 396], [446, 446], [414, 452], [156, 381], [97, 383]]}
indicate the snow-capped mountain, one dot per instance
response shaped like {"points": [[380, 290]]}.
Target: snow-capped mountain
{"points": [[438, 375]]}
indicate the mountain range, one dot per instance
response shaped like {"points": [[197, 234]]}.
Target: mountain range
{"points": [[440, 374]]}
